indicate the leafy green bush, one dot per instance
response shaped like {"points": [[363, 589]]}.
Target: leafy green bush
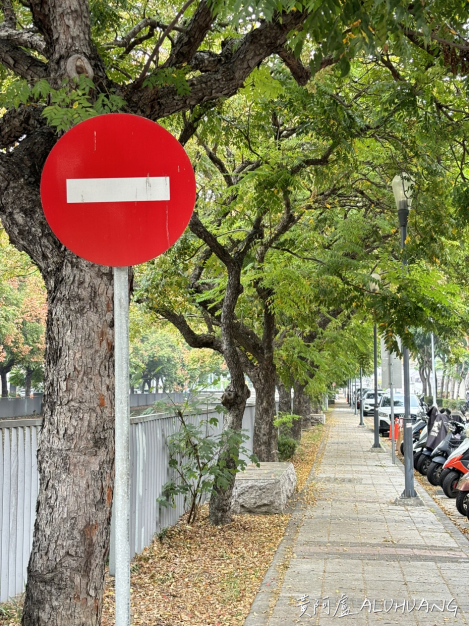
{"points": [[286, 447], [199, 461], [453, 405], [284, 422]]}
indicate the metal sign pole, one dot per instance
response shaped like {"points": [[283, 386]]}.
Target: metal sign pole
{"points": [[122, 464]]}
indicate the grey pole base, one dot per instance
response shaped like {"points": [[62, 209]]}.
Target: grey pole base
{"points": [[412, 501], [379, 449]]}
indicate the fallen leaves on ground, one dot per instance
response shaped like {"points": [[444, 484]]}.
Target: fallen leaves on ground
{"points": [[306, 453], [201, 574]]}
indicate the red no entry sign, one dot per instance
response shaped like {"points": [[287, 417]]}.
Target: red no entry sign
{"points": [[118, 189]]}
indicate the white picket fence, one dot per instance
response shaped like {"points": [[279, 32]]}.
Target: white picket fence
{"points": [[19, 488]]}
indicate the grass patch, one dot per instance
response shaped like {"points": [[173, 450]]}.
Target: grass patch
{"points": [[10, 612]]}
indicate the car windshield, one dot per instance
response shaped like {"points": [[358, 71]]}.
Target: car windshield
{"points": [[371, 394], [399, 401]]}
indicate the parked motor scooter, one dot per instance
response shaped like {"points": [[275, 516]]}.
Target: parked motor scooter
{"points": [[456, 466], [437, 430], [419, 445], [443, 450], [417, 429]]}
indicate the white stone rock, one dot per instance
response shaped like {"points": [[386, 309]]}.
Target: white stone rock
{"points": [[318, 418], [263, 489]]}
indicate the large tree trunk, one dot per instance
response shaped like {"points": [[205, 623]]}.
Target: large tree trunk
{"points": [[284, 398], [265, 445], [220, 501], [76, 451], [237, 392]]}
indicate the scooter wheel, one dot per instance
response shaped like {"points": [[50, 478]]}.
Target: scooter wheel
{"points": [[416, 459], [462, 502], [423, 463], [450, 483], [401, 448], [433, 473], [443, 475]]}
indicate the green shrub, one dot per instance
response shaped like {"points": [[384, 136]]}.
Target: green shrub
{"points": [[286, 447], [200, 462], [284, 423], [453, 405]]}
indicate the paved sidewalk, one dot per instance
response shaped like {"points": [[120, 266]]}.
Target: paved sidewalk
{"points": [[356, 544]]}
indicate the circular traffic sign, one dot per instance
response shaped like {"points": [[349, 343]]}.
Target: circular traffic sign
{"points": [[118, 189]]}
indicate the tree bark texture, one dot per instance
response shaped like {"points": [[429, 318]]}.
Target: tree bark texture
{"points": [[301, 406], [265, 433], [264, 378], [235, 395], [76, 451], [284, 398]]}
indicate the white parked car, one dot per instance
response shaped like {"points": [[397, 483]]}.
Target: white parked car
{"points": [[384, 409], [369, 401]]}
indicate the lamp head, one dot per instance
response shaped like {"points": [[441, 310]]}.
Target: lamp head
{"points": [[374, 285], [403, 187]]}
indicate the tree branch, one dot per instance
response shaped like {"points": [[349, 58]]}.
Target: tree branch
{"points": [[24, 38], [20, 62], [210, 240], [253, 48], [219, 165], [300, 72], [188, 42], [323, 160], [156, 49], [195, 340], [20, 204], [128, 41]]}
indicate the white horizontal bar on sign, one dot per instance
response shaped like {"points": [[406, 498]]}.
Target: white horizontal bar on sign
{"points": [[145, 189]]}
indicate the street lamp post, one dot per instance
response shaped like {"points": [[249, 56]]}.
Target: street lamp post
{"points": [[402, 189]]}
